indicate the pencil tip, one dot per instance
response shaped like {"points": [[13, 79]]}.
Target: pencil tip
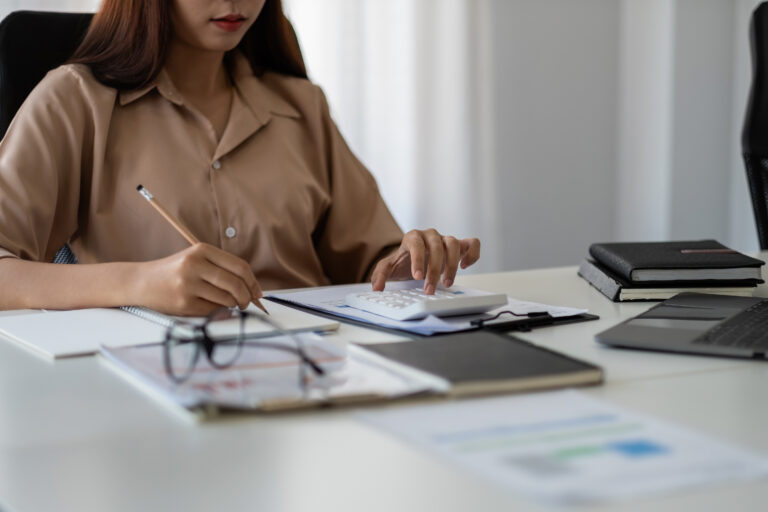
{"points": [[140, 187]]}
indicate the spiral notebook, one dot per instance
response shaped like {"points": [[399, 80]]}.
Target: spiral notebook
{"points": [[59, 334]]}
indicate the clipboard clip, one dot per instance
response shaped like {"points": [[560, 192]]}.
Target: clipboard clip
{"points": [[524, 322]]}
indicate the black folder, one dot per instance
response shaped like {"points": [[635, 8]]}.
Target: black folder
{"points": [[484, 362]]}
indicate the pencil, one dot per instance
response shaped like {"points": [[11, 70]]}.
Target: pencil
{"points": [[173, 221]]}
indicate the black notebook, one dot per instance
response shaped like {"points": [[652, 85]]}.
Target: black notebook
{"points": [[618, 289], [485, 362], [699, 260]]}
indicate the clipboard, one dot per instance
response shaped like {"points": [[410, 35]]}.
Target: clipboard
{"points": [[522, 323], [528, 322]]}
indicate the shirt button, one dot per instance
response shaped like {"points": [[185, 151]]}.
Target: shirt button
{"points": [[216, 164], [230, 232]]}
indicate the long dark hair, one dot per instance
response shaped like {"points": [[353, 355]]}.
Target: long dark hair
{"points": [[127, 42]]}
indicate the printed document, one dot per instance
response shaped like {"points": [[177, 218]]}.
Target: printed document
{"points": [[565, 447]]}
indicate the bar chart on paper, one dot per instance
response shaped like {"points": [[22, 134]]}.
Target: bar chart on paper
{"points": [[566, 447], [561, 448]]}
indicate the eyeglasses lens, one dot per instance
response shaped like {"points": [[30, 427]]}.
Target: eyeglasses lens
{"points": [[227, 332], [182, 351]]}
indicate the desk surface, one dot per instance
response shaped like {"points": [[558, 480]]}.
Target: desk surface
{"points": [[75, 436]]}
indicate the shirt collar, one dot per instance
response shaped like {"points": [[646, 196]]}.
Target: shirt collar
{"points": [[260, 98], [162, 82]]}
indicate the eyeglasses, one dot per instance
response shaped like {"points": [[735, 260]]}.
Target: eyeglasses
{"points": [[222, 336]]}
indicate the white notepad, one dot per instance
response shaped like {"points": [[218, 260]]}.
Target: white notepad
{"points": [[58, 334]]}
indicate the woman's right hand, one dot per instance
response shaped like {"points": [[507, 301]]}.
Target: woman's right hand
{"points": [[196, 281]]}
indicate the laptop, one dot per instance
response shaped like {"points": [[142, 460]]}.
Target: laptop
{"points": [[697, 323]]}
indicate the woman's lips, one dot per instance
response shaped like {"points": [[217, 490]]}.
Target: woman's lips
{"points": [[231, 23]]}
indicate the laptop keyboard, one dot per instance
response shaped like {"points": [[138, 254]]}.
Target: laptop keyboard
{"points": [[748, 329]]}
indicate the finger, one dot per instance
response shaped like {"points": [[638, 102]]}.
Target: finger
{"points": [[381, 272], [227, 282], [215, 295], [436, 250], [200, 307], [452, 255], [470, 251], [236, 266], [414, 244], [394, 266]]}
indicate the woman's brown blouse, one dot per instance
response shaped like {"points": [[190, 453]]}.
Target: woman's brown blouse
{"points": [[280, 189]]}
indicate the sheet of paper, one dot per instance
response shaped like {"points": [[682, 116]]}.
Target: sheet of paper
{"points": [[522, 307], [565, 447], [332, 300], [56, 334]]}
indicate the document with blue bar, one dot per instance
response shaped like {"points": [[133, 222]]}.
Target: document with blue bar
{"points": [[566, 447]]}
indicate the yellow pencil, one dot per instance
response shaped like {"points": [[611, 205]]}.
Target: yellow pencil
{"points": [[192, 239]]}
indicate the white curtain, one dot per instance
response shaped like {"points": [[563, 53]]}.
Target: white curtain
{"points": [[543, 126], [409, 85]]}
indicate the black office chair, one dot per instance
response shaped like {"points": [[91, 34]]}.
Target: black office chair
{"points": [[754, 137], [31, 44]]}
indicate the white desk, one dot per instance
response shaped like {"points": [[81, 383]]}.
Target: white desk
{"points": [[74, 436]]}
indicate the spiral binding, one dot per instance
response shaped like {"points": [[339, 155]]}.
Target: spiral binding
{"points": [[150, 315]]}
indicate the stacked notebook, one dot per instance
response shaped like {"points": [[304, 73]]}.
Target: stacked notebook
{"points": [[660, 270]]}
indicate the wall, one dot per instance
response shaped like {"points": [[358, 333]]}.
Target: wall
{"points": [[684, 81], [643, 169], [619, 121], [556, 90]]}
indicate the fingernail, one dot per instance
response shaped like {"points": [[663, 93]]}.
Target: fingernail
{"points": [[430, 289], [418, 275]]}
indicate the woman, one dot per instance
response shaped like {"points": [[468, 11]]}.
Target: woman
{"points": [[206, 104]]}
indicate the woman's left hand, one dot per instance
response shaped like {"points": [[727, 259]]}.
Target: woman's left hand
{"points": [[426, 254]]}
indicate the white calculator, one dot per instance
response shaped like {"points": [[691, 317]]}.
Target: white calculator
{"points": [[413, 303]]}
